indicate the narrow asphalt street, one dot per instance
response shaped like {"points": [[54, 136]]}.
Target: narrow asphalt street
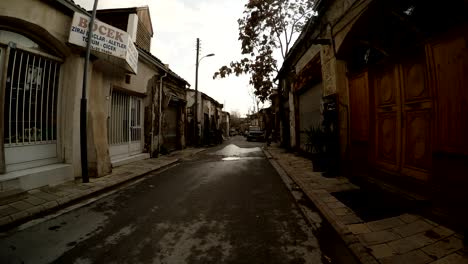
{"points": [[225, 205]]}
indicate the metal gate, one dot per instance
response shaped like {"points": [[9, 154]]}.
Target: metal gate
{"points": [[30, 123], [125, 126]]}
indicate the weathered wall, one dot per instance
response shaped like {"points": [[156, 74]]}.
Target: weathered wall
{"points": [[69, 105], [139, 82], [292, 120], [98, 147]]}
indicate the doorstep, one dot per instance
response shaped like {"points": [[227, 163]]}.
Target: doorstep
{"points": [[24, 180]]}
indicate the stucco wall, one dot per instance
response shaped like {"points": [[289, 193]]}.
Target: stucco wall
{"points": [[69, 105], [39, 13], [98, 105], [139, 82]]}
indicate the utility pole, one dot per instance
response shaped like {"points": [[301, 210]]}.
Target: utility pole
{"points": [[197, 63], [196, 94], [84, 102]]}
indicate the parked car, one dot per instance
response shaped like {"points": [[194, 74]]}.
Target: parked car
{"points": [[255, 133]]}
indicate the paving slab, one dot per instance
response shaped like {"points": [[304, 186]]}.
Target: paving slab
{"points": [[378, 237], [382, 251], [452, 259], [410, 243], [413, 228], [444, 247], [413, 257], [359, 229], [386, 223]]}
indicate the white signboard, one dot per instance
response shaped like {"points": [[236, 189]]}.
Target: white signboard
{"points": [[105, 39]]}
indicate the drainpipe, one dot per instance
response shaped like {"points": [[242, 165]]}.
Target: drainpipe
{"points": [[160, 111]]}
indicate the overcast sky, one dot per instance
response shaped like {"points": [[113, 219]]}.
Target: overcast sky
{"points": [[177, 24]]}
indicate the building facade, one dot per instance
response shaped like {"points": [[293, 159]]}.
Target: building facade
{"points": [[41, 73], [396, 70], [209, 114]]}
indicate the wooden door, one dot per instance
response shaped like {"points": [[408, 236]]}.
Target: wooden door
{"points": [[387, 117], [359, 107], [403, 107], [416, 117], [450, 66]]}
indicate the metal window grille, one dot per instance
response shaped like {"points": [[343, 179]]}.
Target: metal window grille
{"points": [[30, 99], [125, 119]]}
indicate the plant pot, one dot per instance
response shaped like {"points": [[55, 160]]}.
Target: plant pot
{"points": [[319, 162]]}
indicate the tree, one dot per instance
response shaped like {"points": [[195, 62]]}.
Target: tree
{"points": [[255, 101], [267, 26], [235, 119]]}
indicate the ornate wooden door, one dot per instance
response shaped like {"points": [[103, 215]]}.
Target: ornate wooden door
{"points": [[403, 108]]}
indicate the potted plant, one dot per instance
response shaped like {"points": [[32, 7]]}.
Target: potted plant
{"points": [[316, 147]]}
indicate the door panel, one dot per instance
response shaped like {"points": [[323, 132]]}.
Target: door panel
{"points": [[387, 117], [414, 80], [359, 107], [417, 154], [417, 117], [387, 138]]}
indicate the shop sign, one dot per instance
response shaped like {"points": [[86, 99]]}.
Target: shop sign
{"points": [[106, 39]]}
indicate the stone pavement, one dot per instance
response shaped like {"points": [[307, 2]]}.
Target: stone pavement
{"points": [[407, 238], [25, 206]]}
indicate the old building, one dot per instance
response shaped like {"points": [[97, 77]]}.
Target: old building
{"points": [[209, 114], [225, 125], [41, 66], [397, 73]]}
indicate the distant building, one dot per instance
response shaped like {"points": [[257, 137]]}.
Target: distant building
{"points": [[209, 118]]}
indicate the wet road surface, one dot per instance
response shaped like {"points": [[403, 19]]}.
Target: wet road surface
{"points": [[226, 205]]}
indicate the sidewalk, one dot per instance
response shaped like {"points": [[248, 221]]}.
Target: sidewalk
{"points": [[28, 205], [406, 238]]}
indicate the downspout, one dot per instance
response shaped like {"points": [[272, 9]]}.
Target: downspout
{"points": [[160, 111], [153, 88]]}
